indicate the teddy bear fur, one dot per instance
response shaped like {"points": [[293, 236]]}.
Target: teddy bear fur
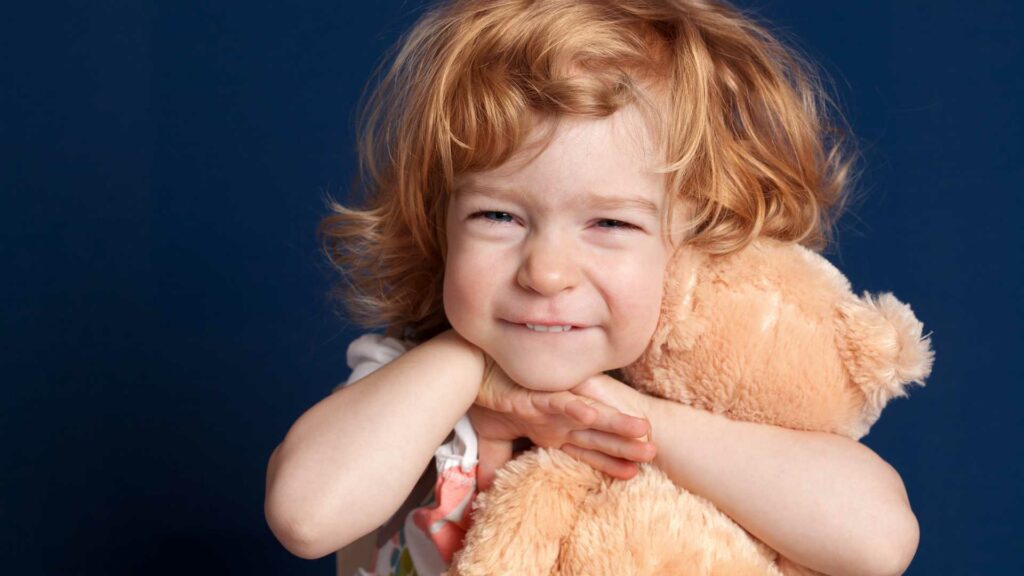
{"points": [[772, 334]]}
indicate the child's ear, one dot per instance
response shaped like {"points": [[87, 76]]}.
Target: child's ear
{"points": [[883, 348]]}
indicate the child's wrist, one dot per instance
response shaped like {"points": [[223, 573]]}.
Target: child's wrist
{"points": [[476, 358]]}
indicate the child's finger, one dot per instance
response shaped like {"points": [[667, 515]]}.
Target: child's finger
{"points": [[567, 403], [614, 467], [615, 422], [581, 411], [593, 414], [613, 446]]}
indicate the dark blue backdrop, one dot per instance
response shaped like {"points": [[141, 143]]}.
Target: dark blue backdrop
{"points": [[163, 313]]}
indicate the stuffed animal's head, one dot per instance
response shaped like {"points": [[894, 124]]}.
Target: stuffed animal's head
{"points": [[772, 333]]}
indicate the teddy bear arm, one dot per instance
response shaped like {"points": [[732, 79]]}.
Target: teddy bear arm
{"points": [[521, 521]]}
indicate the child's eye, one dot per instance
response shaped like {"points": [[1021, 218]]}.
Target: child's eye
{"points": [[615, 224], [494, 216]]}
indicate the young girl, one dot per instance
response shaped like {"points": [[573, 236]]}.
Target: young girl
{"points": [[529, 167]]}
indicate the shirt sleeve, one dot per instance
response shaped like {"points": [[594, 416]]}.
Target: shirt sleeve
{"points": [[368, 353]]}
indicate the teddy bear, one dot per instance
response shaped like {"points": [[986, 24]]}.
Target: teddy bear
{"points": [[771, 333]]}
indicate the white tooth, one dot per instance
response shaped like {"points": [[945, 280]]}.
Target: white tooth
{"points": [[539, 328]]}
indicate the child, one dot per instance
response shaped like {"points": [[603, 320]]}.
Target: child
{"points": [[529, 167]]}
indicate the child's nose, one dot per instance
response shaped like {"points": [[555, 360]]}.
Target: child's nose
{"points": [[548, 267]]}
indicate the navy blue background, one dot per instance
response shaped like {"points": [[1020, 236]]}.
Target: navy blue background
{"points": [[163, 313]]}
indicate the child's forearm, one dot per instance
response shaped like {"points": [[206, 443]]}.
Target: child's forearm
{"points": [[351, 460], [824, 501]]}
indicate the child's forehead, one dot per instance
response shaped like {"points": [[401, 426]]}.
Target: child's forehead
{"points": [[614, 152]]}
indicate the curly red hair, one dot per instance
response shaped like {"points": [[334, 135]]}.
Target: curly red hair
{"points": [[743, 121]]}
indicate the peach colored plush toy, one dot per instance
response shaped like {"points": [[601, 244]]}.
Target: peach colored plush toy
{"points": [[772, 334]]}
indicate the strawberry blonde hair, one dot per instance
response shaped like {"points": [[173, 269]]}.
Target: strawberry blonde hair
{"points": [[742, 121]]}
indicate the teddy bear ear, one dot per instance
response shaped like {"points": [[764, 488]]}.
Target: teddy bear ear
{"points": [[882, 346]]}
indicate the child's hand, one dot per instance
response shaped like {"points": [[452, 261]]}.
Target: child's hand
{"points": [[591, 430], [616, 395], [619, 395]]}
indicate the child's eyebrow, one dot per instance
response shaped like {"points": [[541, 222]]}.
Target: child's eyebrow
{"points": [[593, 201], [612, 202]]}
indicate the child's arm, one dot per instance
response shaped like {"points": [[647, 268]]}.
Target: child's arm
{"points": [[824, 501], [350, 461]]}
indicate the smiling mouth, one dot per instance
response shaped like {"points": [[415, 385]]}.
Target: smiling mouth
{"points": [[542, 328]]}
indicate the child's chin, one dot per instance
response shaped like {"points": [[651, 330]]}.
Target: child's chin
{"points": [[546, 380]]}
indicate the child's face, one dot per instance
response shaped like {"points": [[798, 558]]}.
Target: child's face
{"points": [[572, 236]]}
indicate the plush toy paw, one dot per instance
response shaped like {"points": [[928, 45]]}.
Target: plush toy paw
{"points": [[520, 522], [659, 529]]}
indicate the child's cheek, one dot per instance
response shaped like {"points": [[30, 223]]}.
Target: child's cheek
{"points": [[645, 322], [453, 296], [464, 297], [642, 291]]}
